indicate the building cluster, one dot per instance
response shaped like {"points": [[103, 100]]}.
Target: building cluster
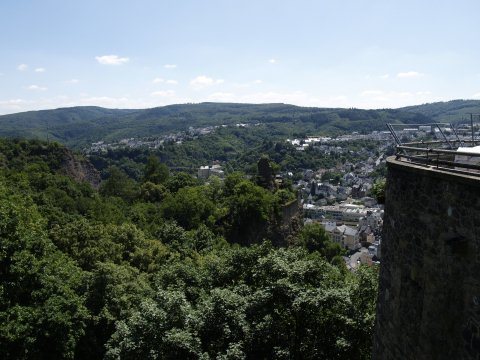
{"points": [[158, 141], [153, 142], [329, 144], [352, 181], [204, 172], [344, 206], [134, 143], [350, 225]]}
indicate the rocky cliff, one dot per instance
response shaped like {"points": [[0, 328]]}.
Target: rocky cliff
{"points": [[79, 169]]}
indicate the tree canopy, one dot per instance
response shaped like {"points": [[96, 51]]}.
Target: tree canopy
{"points": [[166, 268]]}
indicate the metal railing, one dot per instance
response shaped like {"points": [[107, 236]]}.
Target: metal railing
{"points": [[437, 153]]}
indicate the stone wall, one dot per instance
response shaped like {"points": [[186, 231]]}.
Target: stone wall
{"points": [[429, 290]]}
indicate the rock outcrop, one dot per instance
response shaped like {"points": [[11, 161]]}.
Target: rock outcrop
{"points": [[79, 169]]}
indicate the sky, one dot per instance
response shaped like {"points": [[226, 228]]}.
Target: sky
{"points": [[138, 54]]}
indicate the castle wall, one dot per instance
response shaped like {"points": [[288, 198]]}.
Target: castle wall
{"points": [[429, 290]]}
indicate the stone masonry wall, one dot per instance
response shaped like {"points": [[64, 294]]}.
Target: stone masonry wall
{"points": [[429, 290]]}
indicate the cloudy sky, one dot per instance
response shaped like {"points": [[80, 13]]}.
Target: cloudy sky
{"points": [[145, 53]]}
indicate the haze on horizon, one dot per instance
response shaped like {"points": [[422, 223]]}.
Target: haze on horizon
{"points": [[346, 53]]}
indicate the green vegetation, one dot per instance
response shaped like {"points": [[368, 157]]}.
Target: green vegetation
{"points": [[237, 149], [378, 190], [449, 111], [163, 267], [157, 265], [80, 126]]}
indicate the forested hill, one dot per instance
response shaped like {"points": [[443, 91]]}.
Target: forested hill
{"points": [[450, 111], [78, 126], [62, 124]]}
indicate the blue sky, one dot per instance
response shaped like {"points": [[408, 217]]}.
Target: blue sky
{"points": [[146, 53]]}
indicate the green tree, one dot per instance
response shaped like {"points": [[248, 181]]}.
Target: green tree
{"points": [[378, 191], [314, 238], [42, 313], [180, 180], [189, 207], [152, 192], [158, 330], [114, 293], [119, 184], [87, 243], [250, 209], [155, 171]]}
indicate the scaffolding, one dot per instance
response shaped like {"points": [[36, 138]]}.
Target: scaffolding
{"points": [[444, 146]]}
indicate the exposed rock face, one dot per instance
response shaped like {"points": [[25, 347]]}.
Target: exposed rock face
{"points": [[279, 229], [79, 169], [290, 224], [429, 289]]}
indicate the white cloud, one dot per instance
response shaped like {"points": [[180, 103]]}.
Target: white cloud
{"points": [[22, 67], [36, 88], [112, 60], [247, 84], [241, 85], [222, 97], [299, 98], [40, 70], [161, 81], [164, 93], [385, 76], [17, 105], [9, 106], [375, 99], [73, 81], [409, 74], [371, 93], [272, 61], [202, 81], [109, 102], [296, 97], [476, 96], [170, 66]]}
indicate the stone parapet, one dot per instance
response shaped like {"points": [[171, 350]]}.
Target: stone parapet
{"points": [[429, 287]]}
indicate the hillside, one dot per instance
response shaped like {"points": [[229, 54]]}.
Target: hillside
{"points": [[450, 111], [79, 126], [63, 124]]}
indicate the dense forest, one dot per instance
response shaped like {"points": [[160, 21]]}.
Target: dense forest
{"points": [[80, 126], [450, 111], [165, 267]]}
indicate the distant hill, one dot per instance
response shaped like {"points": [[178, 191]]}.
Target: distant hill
{"points": [[79, 126], [449, 111], [66, 125]]}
